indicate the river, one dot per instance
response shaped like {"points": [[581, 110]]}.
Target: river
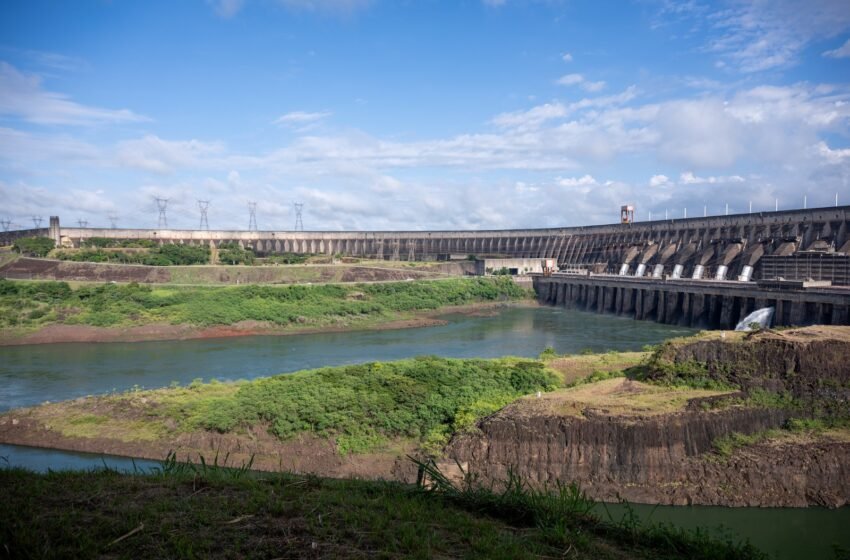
{"points": [[34, 374]]}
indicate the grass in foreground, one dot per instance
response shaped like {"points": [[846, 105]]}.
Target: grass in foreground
{"points": [[190, 511], [36, 304]]}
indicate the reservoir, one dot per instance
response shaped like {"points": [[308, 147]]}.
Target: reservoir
{"points": [[30, 375]]}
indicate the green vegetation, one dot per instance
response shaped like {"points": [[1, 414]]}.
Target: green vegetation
{"points": [[725, 446], [105, 242], [34, 304], [363, 407], [33, 246], [187, 511], [233, 253], [165, 255]]}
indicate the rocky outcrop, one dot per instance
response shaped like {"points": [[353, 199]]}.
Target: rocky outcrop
{"points": [[670, 458], [666, 459], [812, 362]]}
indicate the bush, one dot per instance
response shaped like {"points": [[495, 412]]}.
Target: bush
{"points": [[364, 405], [34, 246]]}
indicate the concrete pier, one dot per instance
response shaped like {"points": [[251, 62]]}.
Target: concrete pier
{"points": [[693, 303]]}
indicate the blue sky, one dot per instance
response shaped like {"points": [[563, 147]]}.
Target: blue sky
{"points": [[380, 114]]}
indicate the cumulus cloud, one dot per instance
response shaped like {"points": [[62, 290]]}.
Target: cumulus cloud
{"points": [[659, 181], [832, 156], [567, 57], [22, 96]]}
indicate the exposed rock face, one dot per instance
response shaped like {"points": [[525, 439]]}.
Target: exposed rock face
{"points": [[809, 362], [668, 458], [663, 459]]}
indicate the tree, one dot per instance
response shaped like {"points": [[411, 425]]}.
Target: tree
{"points": [[34, 246], [233, 253]]}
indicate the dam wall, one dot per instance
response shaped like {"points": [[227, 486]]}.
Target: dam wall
{"points": [[715, 247], [693, 303]]}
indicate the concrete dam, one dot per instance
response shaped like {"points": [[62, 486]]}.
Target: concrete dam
{"points": [[627, 268]]}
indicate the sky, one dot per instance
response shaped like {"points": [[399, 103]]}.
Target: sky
{"points": [[420, 114]]}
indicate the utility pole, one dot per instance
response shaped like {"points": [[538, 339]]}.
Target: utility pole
{"points": [[299, 207], [113, 219], [805, 201], [162, 204], [36, 220], [83, 223], [252, 216], [6, 224], [203, 205]]}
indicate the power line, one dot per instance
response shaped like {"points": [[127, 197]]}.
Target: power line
{"points": [[83, 223], [203, 205], [162, 204], [36, 220], [113, 219], [299, 207], [252, 216]]}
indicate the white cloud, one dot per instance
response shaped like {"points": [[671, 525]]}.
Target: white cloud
{"points": [[841, 52], [688, 178], [582, 181], [570, 79], [156, 155], [531, 118], [832, 156], [22, 96], [659, 181], [579, 80], [567, 57], [301, 118]]}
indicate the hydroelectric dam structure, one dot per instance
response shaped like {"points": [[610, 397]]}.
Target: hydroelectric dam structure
{"points": [[708, 271]]}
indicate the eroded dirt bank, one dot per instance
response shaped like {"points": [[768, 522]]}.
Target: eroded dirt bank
{"points": [[618, 444]]}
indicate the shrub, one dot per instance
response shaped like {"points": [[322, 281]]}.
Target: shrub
{"points": [[34, 246], [364, 405]]}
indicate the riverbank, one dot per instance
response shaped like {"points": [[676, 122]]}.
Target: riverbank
{"points": [[44, 313]]}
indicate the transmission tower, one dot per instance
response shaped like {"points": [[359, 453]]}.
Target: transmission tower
{"points": [[162, 204], [113, 219], [83, 223], [299, 225], [36, 220], [252, 216], [6, 224], [203, 205]]}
